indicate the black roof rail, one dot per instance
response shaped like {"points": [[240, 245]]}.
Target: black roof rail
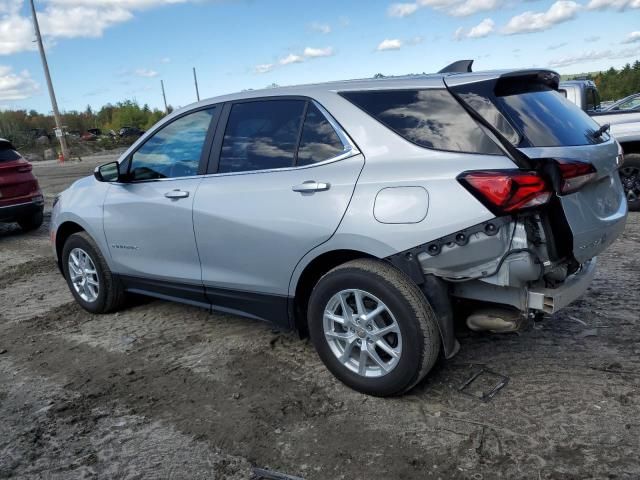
{"points": [[461, 66]]}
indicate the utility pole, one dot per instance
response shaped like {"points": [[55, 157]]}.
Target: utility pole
{"points": [[164, 96], [54, 103], [195, 79]]}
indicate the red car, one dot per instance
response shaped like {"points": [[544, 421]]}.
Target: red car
{"points": [[21, 199]]}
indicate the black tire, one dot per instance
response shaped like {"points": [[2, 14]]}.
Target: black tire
{"points": [[413, 314], [32, 222], [630, 176], [110, 293]]}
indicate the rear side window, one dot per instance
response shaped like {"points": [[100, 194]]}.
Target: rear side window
{"points": [[319, 141], [428, 118], [542, 116], [261, 135], [8, 155]]}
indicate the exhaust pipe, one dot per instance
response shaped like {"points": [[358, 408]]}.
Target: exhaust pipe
{"points": [[496, 320]]}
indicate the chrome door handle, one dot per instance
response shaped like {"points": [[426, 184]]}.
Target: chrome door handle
{"points": [[311, 186], [175, 194]]}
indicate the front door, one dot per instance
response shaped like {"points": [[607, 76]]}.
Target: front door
{"points": [[148, 219]]}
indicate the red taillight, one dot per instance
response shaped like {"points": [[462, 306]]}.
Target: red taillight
{"points": [[574, 175], [507, 191]]}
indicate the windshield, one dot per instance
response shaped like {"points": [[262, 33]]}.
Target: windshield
{"points": [[530, 114]]}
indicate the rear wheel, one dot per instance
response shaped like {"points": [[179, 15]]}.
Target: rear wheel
{"points": [[373, 327], [89, 278], [32, 222], [630, 176]]}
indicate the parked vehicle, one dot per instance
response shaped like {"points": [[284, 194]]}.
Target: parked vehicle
{"points": [[624, 126], [130, 132], [630, 103], [355, 211], [21, 199]]}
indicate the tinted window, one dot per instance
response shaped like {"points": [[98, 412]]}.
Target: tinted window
{"points": [[8, 155], [542, 116], [429, 118], [261, 135], [175, 150], [593, 100], [319, 140]]}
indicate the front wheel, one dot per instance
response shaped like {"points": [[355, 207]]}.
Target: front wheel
{"points": [[373, 328], [630, 177], [89, 278]]}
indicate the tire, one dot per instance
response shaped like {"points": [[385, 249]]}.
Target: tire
{"points": [[109, 294], [630, 177], [32, 222], [407, 312]]}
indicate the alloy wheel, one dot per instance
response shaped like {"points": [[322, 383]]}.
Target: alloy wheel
{"points": [[84, 276], [362, 333], [630, 177]]}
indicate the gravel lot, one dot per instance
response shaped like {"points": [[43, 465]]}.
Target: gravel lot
{"points": [[162, 390]]}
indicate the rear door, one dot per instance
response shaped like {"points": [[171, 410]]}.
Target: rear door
{"points": [[148, 220], [527, 111], [282, 175]]}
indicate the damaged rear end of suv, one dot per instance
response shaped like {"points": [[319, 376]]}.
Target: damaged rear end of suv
{"points": [[504, 148]]}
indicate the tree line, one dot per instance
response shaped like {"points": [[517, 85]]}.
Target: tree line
{"points": [[616, 84]]}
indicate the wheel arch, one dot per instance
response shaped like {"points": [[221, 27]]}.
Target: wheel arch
{"points": [[63, 232], [312, 272], [630, 147]]}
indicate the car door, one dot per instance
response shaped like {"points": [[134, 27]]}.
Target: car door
{"points": [[283, 173], [148, 221]]}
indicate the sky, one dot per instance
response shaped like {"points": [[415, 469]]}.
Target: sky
{"points": [[103, 51]]}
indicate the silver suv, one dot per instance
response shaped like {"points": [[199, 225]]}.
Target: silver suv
{"points": [[356, 212]]}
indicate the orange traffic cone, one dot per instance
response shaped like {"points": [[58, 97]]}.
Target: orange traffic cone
{"points": [[61, 158]]}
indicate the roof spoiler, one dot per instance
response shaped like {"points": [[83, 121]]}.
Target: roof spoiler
{"points": [[461, 66]]}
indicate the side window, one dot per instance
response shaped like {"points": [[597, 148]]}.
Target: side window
{"points": [[175, 150], [261, 135], [428, 118], [319, 140]]}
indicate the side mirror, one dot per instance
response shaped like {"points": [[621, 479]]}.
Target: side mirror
{"points": [[109, 172]]}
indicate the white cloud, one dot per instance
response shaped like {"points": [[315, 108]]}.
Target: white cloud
{"points": [[165, 60], [470, 7], [459, 33], [402, 9], [16, 86], [592, 55], [291, 58], [321, 27], [484, 28], [617, 4], [632, 37], [263, 68], [592, 38], [145, 73], [457, 8], [310, 52], [389, 44], [561, 11], [66, 19]]}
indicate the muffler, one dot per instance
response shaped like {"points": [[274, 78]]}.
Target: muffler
{"points": [[496, 320]]}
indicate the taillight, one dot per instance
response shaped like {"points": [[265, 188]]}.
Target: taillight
{"points": [[507, 191], [25, 168], [574, 175]]}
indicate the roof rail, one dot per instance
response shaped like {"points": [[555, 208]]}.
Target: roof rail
{"points": [[461, 66]]}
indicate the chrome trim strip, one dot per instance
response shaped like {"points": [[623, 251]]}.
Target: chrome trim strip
{"points": [[20, 205]]}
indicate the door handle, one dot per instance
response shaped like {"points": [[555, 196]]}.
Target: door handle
{"points": [[176, 194], [311, 186]]}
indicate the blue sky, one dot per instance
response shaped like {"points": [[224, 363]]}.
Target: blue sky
{"points": [[108, 50]]}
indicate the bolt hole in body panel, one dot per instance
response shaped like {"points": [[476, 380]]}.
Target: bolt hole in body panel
{"points": [[401, 205]]}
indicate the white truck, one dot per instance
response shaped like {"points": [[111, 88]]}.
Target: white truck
{"points": [[624, 126]]}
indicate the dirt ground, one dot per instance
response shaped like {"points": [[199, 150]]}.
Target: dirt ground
{"points": [[162, 390]]}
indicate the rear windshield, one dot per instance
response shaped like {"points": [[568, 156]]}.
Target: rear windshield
{"points": [[531, 114], [429, 118], [8, 155]]}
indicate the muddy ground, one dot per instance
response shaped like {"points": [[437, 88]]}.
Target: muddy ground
{"points": [[162, 390]]}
